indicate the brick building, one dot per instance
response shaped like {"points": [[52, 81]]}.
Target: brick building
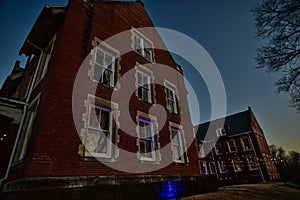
{"points": [[235, 149], [51, 153]]}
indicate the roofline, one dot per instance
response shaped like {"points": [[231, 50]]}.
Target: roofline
{"points": [[36, 21], [221, 118]]}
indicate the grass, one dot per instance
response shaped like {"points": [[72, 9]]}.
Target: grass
{"points": [[265, 191]]}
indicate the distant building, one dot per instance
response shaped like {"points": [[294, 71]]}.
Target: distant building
{"points": [[234, 148], [41, 147]]}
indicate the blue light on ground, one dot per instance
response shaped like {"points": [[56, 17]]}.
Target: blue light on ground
{"points": [[170, 190]]}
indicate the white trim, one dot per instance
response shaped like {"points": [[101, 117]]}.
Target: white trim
{"points": [[174, 90], [108, 50], [181, 147], [204, 165], [219, 166], [249, 162], [234, 144], [109, 141], [216, 149], [237, 164], [210, 167], [243, 143], [35, 102], [143, 40]]}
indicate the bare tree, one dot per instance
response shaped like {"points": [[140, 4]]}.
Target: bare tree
{"points": [[278, 23], [294, 159]]}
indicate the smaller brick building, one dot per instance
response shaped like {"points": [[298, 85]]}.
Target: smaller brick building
{"points": [[234, 148]]}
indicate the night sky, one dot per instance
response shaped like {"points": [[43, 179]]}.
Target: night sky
{"points": [[224, 28]]}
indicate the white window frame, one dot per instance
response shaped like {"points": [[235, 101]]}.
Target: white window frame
{"points": [[141, 86], [28, 131], [205, 168], [220, 132], [100, 131], [229, 147], [174, 108], [236, 163], [220, 168], [45, 59], [217, 144], [146, 139], [249, 160], [141, 44], [244, 146], [104, 67], [180, 147], [212, 165]]}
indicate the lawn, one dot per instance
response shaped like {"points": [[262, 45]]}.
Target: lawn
{"points": [[266, 191]]}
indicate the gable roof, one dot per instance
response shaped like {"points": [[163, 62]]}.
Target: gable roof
{"points": [[43, 28], [233, 124]]}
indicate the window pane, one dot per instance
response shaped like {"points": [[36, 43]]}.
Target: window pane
{"points": [[96, 142], [104, 121], [140, 79], [94, 117], [106, 79], [98, 73], [99, 57]]}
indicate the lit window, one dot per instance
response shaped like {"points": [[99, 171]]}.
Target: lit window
{"points": [[246, 143], [222, 166], [177, 146], [143, 46], [252, 163], [146, 140], [204, 167], [218, 149], [104, 66], [144, 87], [231, 146], [171, 100], [237, 164], [99, 133], [212, 167]]}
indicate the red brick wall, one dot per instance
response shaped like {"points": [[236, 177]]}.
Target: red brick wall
{"points": [[53, 149]]}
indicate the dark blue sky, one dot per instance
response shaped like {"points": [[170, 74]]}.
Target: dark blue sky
{"points": [[224, 28]]}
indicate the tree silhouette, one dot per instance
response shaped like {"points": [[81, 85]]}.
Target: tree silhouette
{"points": [[278, 23]]}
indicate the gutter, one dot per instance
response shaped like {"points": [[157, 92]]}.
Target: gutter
{"points": [[24, 111]]}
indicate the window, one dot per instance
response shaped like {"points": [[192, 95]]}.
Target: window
{"points": [[231, 146], [252, 164], [177, 146], [237, 164], [218, 149], [246, 143], [104, 66], [143, 46], [172, 105], [222, 166], [212, 167], [99, 133], [220, 132], [45, 59], [26, 130], [144, 87], [204, 166], [146, 140]]}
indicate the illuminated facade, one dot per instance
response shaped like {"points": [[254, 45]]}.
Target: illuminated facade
{"points": [[235, 149], [47, 151]]}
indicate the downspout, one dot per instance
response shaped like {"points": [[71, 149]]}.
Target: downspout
{"points": [[259, 168], [24, 113]]}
